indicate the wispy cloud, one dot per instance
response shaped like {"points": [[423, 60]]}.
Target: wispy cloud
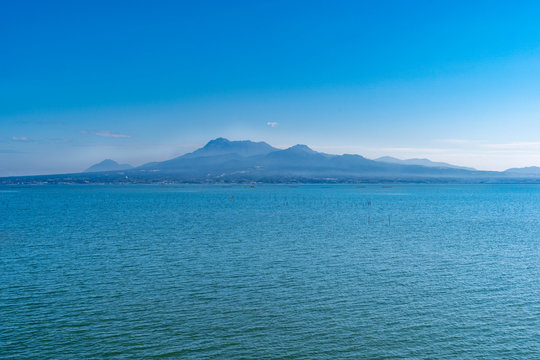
{"points": [[369, 148], [409, 149], [105, 133], [272, 124], [487, 146], [20, 138], [453, 141], [515, 145]]}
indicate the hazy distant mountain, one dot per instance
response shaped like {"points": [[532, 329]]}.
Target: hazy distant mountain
{"points": [[526, 171], [108, 165], [421, 162], [217, 156], [221, 160], [224, 159]]}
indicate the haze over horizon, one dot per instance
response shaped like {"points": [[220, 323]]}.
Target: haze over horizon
{"points": [[453, 82]]}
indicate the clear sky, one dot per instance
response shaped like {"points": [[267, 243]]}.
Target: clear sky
{"points": [[140, 81]]}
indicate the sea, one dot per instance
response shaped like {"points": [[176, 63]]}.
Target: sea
{"points": [[270, 272]]}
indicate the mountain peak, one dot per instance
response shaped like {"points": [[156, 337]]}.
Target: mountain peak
{"points": [[218, 141], [301, 148], [222, 146], [108, 165]]}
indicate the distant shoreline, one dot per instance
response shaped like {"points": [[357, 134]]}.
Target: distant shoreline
{"points": [[84, 179]]}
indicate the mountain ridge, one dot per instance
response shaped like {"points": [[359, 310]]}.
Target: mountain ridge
{"points": [[225, 161], [224, 158], [421, 162], [524, 171]]}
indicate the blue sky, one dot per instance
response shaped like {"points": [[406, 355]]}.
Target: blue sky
{"points": [[140, 81]]}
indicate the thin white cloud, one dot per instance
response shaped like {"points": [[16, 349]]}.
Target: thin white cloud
{"points": [[453, 141], [369, 148], [409, 149], [272, 123], [515, 145], [20, 138], [105, 133]]}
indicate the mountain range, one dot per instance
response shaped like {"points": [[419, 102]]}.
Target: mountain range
{"points": [[421, 162], [235, 160], [530, 171], [225, 161]]}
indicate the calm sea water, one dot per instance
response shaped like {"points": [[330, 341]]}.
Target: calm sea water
{"points": [[306, 272]]}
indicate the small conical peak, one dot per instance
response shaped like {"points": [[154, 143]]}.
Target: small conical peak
{"points": [[302, 148], [108, 165], [387, 158], [109, 161]]}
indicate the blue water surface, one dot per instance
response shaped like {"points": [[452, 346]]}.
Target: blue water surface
{"points": [[268, 272]]}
